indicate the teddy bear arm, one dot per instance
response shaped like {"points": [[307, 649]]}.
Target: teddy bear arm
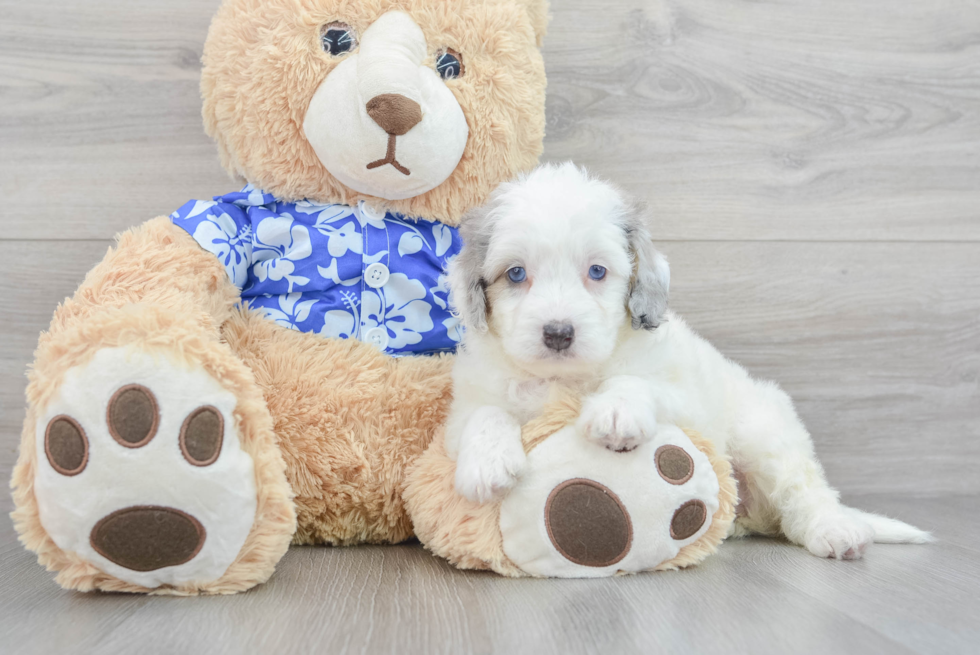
{"points": [[154, 264]]}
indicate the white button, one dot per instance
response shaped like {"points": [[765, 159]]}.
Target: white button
{"points": [[376, 275], [378, 336], [371, 212]]}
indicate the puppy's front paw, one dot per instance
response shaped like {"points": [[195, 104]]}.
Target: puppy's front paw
{"points": [[839, 536], [617, 424], [485, 470]]}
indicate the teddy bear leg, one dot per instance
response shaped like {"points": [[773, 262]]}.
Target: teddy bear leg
{"points": [[147, 461], [350, 421]]}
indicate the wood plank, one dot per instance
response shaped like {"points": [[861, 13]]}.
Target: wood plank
{"points": [[101, 115], [777, 120], [911, 595], [38, 276], [789, 120], [878, 343], [40, 617], [755, 595], [923, 511]]}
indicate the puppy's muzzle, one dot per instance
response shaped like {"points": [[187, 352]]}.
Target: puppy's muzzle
{"points": [[559, 336]]}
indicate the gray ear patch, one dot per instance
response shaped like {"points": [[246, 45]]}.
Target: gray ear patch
{"points": [[650, 285], [467, 286]]}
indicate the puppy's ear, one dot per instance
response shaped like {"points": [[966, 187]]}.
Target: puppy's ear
{"points": [[467, 287], [650, 284]]}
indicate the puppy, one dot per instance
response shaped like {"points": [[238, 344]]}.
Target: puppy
{"points": [[559, 280]]}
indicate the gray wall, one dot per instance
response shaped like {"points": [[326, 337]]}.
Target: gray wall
{"points": [[814, 171]]}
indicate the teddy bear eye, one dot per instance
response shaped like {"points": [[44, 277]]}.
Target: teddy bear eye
{"points": [[338, 39], [449, 64]]}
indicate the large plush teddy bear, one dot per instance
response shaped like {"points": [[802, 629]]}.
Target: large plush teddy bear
{"points": [[268, 366]]}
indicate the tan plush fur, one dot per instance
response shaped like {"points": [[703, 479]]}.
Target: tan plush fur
{"points": [[349, 420], [465, 533], [468, 534], [721, 522], [158, 292], [257, 84]]}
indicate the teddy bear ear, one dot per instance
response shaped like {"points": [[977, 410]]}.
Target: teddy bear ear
{"points": [[538, 11]]}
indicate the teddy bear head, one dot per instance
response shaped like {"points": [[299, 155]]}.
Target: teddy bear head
{"points": [[417, 106]]}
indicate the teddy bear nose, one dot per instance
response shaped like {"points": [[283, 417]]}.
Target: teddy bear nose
{"points": [[395, 113]]}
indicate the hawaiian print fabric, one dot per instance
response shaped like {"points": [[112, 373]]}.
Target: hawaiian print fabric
{"points": [[335, 270]]}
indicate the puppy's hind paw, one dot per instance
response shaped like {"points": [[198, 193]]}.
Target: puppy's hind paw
{"points": [[839, 537]]}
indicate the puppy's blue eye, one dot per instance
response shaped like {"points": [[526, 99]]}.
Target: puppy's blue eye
{"points": [[337, 39], [597, 272], [517, 275], [449, 64]]}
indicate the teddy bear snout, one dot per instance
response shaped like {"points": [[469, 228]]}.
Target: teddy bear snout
{"points": [[395, 113]]}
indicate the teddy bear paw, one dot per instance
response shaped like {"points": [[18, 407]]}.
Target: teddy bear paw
{"points": [[141, 472]]}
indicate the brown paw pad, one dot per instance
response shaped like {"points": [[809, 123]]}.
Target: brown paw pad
{"points": [[674, 464], [148, 538], [688, 519], [133, 416], [66, 445], [588, 524], [201, 436]]}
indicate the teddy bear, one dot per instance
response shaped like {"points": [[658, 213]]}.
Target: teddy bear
{"points": [[268, 367]]}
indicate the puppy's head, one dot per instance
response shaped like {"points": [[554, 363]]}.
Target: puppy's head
{"points": [[553, 267]]}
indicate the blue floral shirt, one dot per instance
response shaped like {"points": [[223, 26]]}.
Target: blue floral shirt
{"points": [[335, 270]]}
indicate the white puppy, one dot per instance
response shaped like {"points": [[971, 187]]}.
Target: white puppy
{"points": [[559, 281]]}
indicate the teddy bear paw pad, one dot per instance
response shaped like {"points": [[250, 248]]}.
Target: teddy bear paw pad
{"points": [[148, 538], [141, 471], [587, 523], [581, 510]]}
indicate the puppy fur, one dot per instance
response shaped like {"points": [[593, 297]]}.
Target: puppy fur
{"points": [[635, 363]]}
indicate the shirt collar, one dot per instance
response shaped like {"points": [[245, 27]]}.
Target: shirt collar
{"points": [[247, 197]]}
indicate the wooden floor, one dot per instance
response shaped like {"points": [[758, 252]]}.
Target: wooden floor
{"points": [[815, 173], [755, 596]]}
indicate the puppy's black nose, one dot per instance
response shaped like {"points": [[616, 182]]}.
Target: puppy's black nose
{"points": [[559, 336]]}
